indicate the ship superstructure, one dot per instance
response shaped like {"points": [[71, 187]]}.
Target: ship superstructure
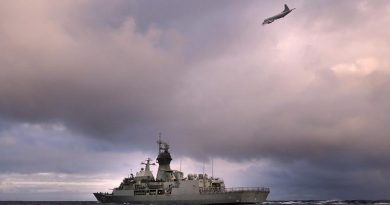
{"points": [[171, 187]]}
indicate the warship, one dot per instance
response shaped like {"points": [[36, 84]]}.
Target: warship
{"points": [[171, 187]]}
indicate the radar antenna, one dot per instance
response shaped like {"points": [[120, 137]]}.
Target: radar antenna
{"points": [[162, 146], [147, 164]]}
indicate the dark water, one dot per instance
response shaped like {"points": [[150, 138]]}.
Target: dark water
{"points": [[297, 202]]}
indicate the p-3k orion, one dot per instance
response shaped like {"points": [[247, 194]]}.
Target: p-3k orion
{"points": [[278, 16]]}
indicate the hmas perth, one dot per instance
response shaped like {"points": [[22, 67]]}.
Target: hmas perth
{"points": [[171, 187]]}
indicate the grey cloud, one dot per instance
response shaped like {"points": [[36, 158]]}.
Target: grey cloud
{"points": [[97, 83], [37, 148], [302, 180]]}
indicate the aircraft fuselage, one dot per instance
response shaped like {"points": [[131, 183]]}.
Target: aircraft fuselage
{"points": [[278, 16]]}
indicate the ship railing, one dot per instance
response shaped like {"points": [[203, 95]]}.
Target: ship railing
{"points": [[239, 189], [234, 189]]}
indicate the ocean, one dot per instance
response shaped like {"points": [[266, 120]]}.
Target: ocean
{"points": [[293, 202]]}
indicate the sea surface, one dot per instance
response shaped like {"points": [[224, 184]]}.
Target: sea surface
{"points": [[295, 202]]}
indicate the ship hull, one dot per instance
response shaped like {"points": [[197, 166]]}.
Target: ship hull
{"points": [[238, 197]]}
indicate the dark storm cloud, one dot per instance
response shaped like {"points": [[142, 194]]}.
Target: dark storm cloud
{"points": [[99, 72], [313, 182], [97, 82]]}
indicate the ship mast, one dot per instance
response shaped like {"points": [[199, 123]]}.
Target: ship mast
{"points": [[147, 164], [212, 168], [164, 159]]}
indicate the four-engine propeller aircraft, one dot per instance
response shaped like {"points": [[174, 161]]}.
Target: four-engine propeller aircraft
{"points": [[278, 16]]}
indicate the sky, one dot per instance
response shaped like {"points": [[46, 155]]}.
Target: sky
{"points": [[300, 105]]}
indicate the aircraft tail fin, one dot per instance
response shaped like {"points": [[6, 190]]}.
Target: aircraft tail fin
{"points": [[286, 7]]}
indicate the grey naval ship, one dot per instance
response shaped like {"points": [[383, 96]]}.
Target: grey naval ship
{"points": [[171, 187]]}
